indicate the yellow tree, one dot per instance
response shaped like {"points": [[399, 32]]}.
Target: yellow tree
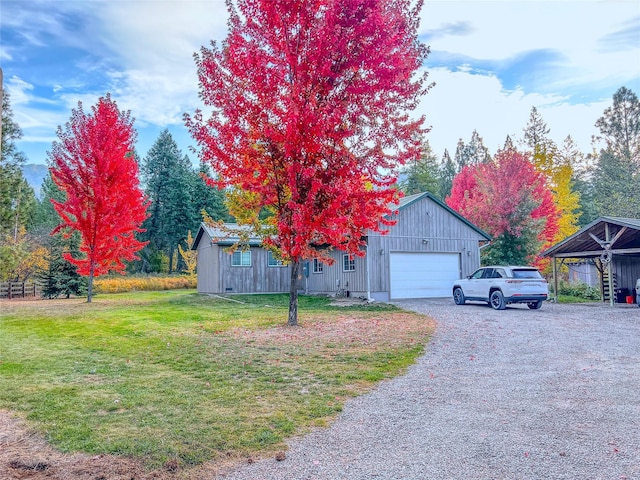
{"points": [[189, 256], [558, 168], [20, 257]]}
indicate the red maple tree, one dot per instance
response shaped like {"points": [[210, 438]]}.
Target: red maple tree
{"points": [[310, 103], [93, 163], [510, 200]]}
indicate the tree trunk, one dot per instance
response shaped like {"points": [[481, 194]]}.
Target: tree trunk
{"points": [[90, 285], [293, 294]]}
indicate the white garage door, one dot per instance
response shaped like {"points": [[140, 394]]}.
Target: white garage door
{"points": [[423, 275]]}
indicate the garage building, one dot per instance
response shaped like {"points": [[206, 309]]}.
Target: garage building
{"points": [[428, 248]]}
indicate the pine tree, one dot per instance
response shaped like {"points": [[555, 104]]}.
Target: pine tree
{"points": [[617, 172], [421, 175], [17, 199], [447, 172], [472, 153], [61, 277], [168, 177], [208, 198]]}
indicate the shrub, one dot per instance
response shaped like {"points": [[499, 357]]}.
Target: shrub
{"points": [[579, 290], [137, 283]]}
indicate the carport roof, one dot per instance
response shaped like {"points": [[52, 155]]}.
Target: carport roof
{"points": [[591, 241]]}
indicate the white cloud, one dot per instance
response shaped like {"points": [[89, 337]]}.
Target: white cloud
{"points": [[462, 102], [155, 43], [19, 90], [501, 30]]}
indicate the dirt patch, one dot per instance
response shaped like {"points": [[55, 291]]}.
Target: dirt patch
{"points": [[391, 330]]}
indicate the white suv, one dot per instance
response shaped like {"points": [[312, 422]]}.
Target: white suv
{"points": [[500, 285]]}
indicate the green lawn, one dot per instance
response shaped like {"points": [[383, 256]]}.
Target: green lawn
{"points": [[174, 376]]}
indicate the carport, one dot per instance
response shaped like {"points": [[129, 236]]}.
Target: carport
{"points": [[612, 243]]}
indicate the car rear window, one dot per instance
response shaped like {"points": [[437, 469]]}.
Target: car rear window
{"points": [[529, 273]]}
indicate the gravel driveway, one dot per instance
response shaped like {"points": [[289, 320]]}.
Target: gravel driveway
{"points": [[514, 394]]}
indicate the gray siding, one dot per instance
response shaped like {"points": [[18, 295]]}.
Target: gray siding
{"points": [[335, 281], [216, 275], [423, 226], [258, 278], [207, 265], [627, 271]]}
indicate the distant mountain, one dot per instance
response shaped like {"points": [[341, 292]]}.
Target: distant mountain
{"points": [[34, 174]]}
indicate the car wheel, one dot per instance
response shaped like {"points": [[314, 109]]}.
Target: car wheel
{"points": [[458, 296], [497, 300], [535, 305]]}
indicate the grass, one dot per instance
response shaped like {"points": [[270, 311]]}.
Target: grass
{"points": [[174, 376]]}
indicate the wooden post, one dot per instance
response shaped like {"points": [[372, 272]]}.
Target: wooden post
{"points": [[607, 237], [555, 280]]}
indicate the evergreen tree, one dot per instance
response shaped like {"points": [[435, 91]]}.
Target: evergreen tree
{"points": [[616, 186], [422, 174], [475, 151], [17, 199], [169, 186], [207, 198], [446, 174], [45, 216], [620, 127], [508, 144], [617, 173], [472, 153], [60, 278]]}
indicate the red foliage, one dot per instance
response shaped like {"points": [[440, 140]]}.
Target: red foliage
{"points": [[93, 163], [310, 102], [505, 196]]}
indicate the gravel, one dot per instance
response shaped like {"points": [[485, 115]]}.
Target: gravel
{"points": [[515, 394]]}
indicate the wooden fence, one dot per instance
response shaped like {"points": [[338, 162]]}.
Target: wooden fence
{"points": [[20, 289]]}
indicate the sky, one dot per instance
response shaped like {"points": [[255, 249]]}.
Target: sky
{"points": [[491, 61]]}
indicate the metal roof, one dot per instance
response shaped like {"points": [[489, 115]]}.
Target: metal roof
{"points": [[624, 239], [226, 236]]}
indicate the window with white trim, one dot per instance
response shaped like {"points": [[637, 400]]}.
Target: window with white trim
{"points": [[241, 258], [273, 261], [348, 263], [318, 266]]}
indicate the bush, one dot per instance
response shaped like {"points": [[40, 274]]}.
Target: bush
{"points": [[130, 283], [579, 290]]}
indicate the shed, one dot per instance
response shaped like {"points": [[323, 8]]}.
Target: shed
{"points": [[613, 243], [428, 248]]}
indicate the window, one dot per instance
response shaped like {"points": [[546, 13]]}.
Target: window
{"points": [[477, 274], [500, 273], [241, 258], [273, 261], [317, 266], [528, 273], [348, 263]]}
